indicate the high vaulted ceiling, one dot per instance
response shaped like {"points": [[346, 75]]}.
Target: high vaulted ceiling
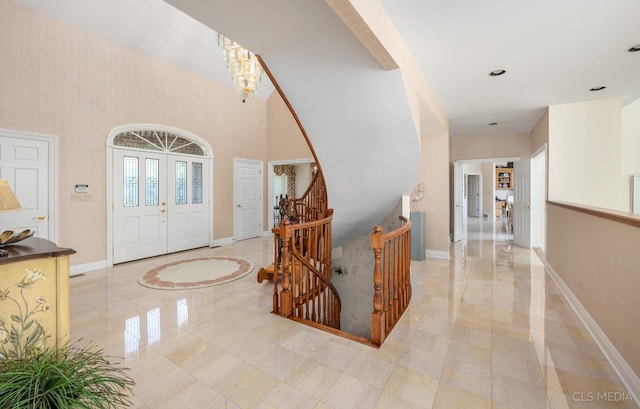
{"points": [[553, 51]]}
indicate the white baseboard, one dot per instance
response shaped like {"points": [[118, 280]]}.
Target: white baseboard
{"points": [[622, 368], [85, 268], [223, 241], [437, 254]]}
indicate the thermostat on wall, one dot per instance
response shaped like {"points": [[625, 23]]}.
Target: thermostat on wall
{"points": [[82, 188]]}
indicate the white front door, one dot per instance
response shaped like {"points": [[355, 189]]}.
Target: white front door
{"points": [[139, 205], [187, 203], [25, 164], [160, 204], [522, 204], [248, 198], [458, 202]]}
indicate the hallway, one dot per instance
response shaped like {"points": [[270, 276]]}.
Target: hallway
{"points": [[486, 329]]}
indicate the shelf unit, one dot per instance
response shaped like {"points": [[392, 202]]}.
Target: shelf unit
{"points": [[504, 178]]}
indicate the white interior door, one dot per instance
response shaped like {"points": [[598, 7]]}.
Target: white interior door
{"points": [[458, 202], [473, 195], [187, 203], [248, 198], [139, 205], [25, 164], [522, 203]]}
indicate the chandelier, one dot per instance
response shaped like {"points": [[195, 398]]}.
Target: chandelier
{"points": [[245, 70]]}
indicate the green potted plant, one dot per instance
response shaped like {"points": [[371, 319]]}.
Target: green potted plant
{"points": [[33, 375]]}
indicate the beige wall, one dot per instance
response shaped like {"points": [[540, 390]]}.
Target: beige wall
{"points": [[502, 146], [60, 80], [434, 174], [540, 132], [284, 138], [585, 154], [607, 282]]}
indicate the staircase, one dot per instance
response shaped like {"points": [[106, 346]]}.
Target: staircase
{"points": [[356, 113]]}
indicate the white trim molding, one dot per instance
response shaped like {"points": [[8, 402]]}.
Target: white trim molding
{"points": [[87, 267], [444, 255], [622, 368], [223, 241]]}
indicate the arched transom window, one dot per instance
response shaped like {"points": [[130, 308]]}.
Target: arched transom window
{"points": [[162, 141]]}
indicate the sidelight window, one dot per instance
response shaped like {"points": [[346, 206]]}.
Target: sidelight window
{"points": [[130, 181], [181, 183]]}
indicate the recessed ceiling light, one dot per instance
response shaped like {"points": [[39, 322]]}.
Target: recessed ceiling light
{"points": [[634, 49], [497, 73], [493, 123], [597, 88]]}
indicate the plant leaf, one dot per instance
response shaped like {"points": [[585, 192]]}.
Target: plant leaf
{"points": [[29, 324], [15, 318]]}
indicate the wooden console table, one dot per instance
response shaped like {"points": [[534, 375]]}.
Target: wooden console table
{"points": [[27, 261]]}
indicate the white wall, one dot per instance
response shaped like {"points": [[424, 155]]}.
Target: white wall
{"points": [[585, 154]]}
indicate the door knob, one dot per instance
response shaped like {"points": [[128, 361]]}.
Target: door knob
{"points": [[239, 205], [163, 210], [41, 217], [163, 203]]}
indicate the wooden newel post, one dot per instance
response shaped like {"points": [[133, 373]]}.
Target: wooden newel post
{"points": [[378, 318], [286, 296]]}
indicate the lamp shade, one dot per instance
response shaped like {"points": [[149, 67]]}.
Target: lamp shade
{"points": [[8, 201]]}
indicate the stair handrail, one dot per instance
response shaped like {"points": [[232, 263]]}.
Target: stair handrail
{"points": [[391, 278]]}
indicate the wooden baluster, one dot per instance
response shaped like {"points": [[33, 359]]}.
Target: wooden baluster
{"points": [[403, 272], [276, 239], [396, 280], [388, 286], [377, 316], [286, 295], [406, 268], [308, 295]]}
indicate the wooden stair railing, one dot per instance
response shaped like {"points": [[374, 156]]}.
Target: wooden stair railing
{"points": [[305, 290], [391, 278], [312, 205]]}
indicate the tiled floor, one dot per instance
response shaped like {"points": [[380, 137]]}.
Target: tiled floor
{"points": [[487, 329]]}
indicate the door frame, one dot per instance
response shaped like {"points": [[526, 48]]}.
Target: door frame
{"points": [[52, 180], [460, 188], [270, 196], [539, 185], [109, 160]]}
